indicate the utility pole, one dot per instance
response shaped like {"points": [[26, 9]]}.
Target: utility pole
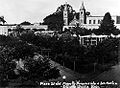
{"points": [[75, 64], [95, 66]]}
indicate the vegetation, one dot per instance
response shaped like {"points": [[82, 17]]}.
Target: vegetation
{"points": [[81, 31], [20, 57], [107, 25], [55, 20], [67, 49], [2, 19], [21, 60]]}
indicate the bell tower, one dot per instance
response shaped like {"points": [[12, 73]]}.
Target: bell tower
{"points": [[82, 15], [65, 15]]}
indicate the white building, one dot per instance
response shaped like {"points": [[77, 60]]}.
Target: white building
{"points": [[86, 21], [35, 26], [92, 39], [4, 29]]}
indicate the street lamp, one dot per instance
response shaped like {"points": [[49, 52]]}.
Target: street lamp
{"points": [[64, 78]]}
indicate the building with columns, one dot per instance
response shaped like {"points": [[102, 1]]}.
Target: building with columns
{"points": [[84, 20]]}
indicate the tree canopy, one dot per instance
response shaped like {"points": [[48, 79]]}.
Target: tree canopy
{"points": [[107, 25], [22, 60], [55, 20], [2, 19]]}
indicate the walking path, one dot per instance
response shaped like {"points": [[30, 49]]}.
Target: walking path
{"points": [[70, 74]]}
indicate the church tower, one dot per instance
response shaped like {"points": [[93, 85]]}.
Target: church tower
{"points": [[82, 15], [65, 15]]}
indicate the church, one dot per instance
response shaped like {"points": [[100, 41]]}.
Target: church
{"points": [[85, 21]]}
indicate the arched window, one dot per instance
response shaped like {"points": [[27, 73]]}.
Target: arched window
{"points": [[93, 21]]}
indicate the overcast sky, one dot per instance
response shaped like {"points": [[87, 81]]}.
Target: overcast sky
{"points": [[17, 11]]}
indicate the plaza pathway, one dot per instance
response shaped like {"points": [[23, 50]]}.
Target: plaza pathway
{"points": [[70, 74]]}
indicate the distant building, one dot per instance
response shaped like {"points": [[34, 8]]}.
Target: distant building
{"points": [[3, 30], [35, 26], [6, 29], [50, 33], [92, 39], [85, 20]]}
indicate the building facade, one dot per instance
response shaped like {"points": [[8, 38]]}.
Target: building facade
{"points": [[7, 29], [35, 26], [92, 39], [86, 21], [4, 29]]}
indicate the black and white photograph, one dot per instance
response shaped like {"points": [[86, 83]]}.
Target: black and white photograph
{"points": [[59, 43]]}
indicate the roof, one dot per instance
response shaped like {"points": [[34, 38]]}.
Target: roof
{"points": [[74, 21], [8, 25], [95, 16]]}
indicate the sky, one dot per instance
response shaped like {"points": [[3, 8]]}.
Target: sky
{"points": [[17, 11]]}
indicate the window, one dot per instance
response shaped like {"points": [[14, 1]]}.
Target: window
{"points": [[65, 14], [93, 21], [89, 21], [98, 21], [81, 12]]}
